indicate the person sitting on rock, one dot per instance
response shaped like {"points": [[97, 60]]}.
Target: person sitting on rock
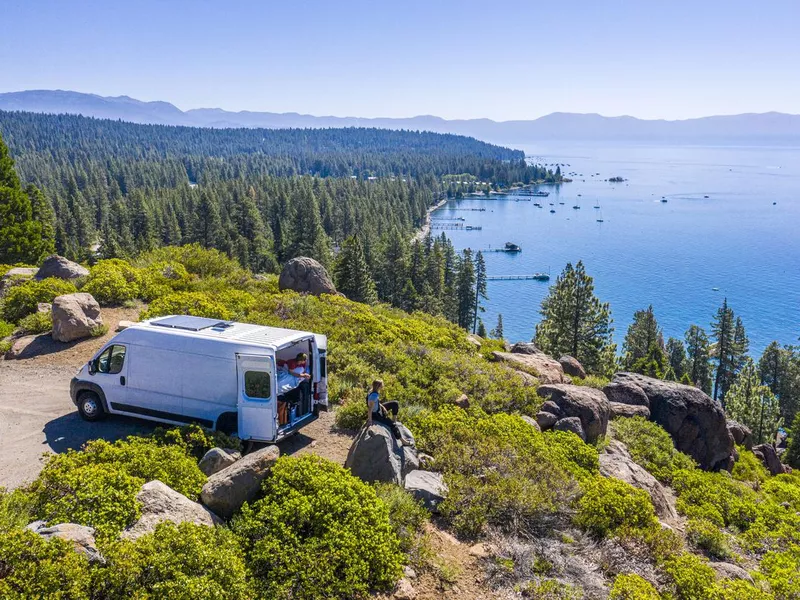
{"points": [[379, 411]]}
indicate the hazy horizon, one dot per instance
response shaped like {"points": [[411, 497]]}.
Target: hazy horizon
{"points": [[517, 61]]}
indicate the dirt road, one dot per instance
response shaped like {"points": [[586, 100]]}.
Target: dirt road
{"points": [[37, 415]]}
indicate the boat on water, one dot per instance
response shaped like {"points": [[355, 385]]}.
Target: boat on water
{"points": [[552, 210], [541, 276], [664, 200], [715, 289], [561, 203], [511, 247], [576, 207]]}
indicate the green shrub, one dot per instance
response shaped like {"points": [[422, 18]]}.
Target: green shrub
{"points": [[609, 504], [408, 518], [651, 447], [351, 415], [784, 489], [748, 468], [551, 589], [204, 262], [6, 329], [161, 278], [632, 587], [706, 536], [22, 300], [738, 589], [691, 578], [112, 282], [198, 304], [592, 381], [15, 509], [32, 567], [792, 455], [194, 440], [183, 562], [733, 500], [318, 532], [97, 485], [775, 528], [782, 570], [38, 322]]}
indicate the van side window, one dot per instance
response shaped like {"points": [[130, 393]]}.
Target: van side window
{"points": [[323, 366], [256, 384], [111, 360]]}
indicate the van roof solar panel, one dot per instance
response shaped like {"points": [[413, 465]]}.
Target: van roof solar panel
{"points": [[190, 323]]}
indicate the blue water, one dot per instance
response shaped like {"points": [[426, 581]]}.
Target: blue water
{"points": [[670, 255]]}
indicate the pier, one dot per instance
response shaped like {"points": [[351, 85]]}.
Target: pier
{"points": [[536, 276], [441, 225]]}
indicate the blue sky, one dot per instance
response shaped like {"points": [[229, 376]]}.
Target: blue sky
{"points": [[501, 60]]}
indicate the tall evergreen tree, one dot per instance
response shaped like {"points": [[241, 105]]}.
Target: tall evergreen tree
{"points": [[724, 351], [307, 236], [698, 356], [753, 404], [352, 274], [498, 332], [465, 290], [779, 369], [480, 286], [676, 353], [575, 322], [644, 341]]}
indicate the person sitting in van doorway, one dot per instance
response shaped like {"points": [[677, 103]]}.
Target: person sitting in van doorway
{"points": [[298, 366], [379, 411]]}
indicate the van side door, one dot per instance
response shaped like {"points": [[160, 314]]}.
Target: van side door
{"points": [[258, 416], [110, 372]]}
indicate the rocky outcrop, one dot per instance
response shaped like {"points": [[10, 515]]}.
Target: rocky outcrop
{"points": [[161, 503], [726, 570], [587, 404], [75, 316], [768, 456], [572, 424], [428, 487], [61, 268], [571, 366], [695, 422], [628, 410], [616, 461], [525, 348], [376, 455], [226, 490], [531, 421], [545, 420], [544, 368], [742, 436], [307, 276], [19, 345], [15, 276], [626, 392], [475, 340], [217, 459], [80, 536]]}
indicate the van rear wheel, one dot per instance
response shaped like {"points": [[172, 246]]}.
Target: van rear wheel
{"points": [[90, 407]]}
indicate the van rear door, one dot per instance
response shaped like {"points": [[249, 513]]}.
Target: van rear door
{"points": [[256, 397]]}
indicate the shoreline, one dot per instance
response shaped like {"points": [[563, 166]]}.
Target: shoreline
{"points": [[425, 229]]}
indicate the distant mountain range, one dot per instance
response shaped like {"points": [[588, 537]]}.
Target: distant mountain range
{"points": [[745, 128]]}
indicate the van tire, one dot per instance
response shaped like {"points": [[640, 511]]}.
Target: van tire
{"points": [[90, 407]]}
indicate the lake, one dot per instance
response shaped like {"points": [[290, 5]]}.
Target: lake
{"points": [[718, 229]]}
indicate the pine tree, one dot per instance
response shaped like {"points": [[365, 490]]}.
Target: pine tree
{"points": [[779, 369], [643, 341], [698, 356], [793, 445], [393, 270], [575, 322], [676, 353], [497, 332], [724, 350], [480, 286], [465, 290], [352, 274], [481, 329], [26, 227], [753, 404], [307, 236]]}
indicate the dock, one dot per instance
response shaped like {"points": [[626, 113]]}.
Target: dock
{"points": [[441, 226], [536, 276]]}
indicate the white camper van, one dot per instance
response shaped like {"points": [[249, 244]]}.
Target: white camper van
{"points": [[223, 375]]}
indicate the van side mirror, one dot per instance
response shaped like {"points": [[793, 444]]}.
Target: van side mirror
{"points": [[92, 367]]}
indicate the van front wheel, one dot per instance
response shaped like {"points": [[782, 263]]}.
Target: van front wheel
{"points": [[90, 407]]}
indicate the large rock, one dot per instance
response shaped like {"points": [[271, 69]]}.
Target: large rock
{"points": [[375, 455], [161, 503], [60, 267], [588, 404], [15, 276], [626, 393], [75, 316], [545, 420], [726, 570], [628, 410], [546, 369], [695, 422], [525, 348], [226, 490], [572, 424], [80, 536], [428, 487], [306, 275], [572, 367], [217, 459], [532, 422], [19, 345], [616, 461], [742, 436], [768, 456]]}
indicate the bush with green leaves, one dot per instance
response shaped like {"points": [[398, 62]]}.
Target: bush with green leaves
{"points": [[185, 561], [782, 571], [715, 496], [690, 577], [34, 323], [609, 505], [6, 329], [22, 300], [161, 278], [708, 537], [97, 485], [33, 567], [198, 304], [194, 440], [749, 468], [15, 509], [113, 281], [408, 518], [651, 447], [351, 415], [632, 587], [318, 532], [203, 262]]}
